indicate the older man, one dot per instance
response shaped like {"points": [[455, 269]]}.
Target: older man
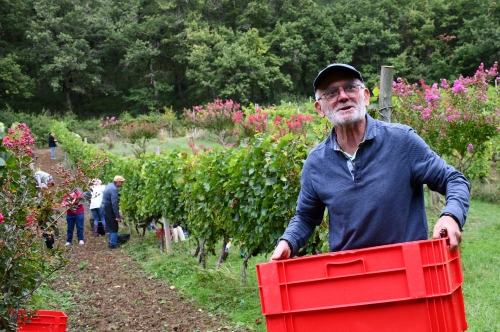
{"points": [[110, 206], [369, 175]]}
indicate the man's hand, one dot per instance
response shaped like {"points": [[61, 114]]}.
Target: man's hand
{"points": [[118, 219], [282, 251], [451, 226]]}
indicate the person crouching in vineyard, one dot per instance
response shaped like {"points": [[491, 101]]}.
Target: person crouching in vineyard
{"points": [[369, 174], [110, 206], [75, 216]]}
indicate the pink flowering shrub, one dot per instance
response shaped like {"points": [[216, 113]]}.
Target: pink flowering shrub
{"points": [[457, 120], [216, 117], [111, 127]]}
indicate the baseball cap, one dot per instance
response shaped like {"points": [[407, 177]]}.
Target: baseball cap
{"points": [[336, 68], [118, 178]]}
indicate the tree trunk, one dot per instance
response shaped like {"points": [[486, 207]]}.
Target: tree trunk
{"points": [[153, 81], [221, 256], [197, 246], [168, 240], [202, 255], [67, 91], [252, 253]]}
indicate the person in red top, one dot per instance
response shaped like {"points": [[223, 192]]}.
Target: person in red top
{"points": [[75, 215]]}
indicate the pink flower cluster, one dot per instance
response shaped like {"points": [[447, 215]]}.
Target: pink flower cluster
{"points": [[296, 121], [296, 124], [19, 140], [403, 89], [1, 218], [109, 122], [31, 218], [256, 122], [217, 109]]}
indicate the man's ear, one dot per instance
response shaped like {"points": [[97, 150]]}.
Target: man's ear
{"points": [[367, 97], [317, 106]]}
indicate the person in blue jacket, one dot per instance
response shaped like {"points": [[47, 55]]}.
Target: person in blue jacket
{"points": [[110, 205], [369, 175]]}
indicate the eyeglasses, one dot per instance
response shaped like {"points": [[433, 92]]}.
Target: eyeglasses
{"points": [[350, 89]]}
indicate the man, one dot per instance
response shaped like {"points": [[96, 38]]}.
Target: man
{"points": [[43, 179], [110, 206], [369, 175]]}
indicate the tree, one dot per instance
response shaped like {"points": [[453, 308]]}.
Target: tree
{"points": [[12, 79], [59, 35]]}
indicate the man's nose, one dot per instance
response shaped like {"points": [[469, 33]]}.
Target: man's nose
{"points": [[342, 95]]}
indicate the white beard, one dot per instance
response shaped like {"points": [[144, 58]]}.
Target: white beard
{"points": [[359, 113]]}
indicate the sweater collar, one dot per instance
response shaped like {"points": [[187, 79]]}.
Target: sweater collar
{"points": [[370, 133]]}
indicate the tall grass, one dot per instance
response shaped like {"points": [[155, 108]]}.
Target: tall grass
{"points": [[125, 149]]}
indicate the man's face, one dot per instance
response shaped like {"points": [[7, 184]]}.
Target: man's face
{"points": [[119, 183], [346, 109]]}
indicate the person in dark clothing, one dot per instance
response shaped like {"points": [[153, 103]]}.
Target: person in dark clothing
{"points": [[110, 206], [52, 145], [369, 174]]}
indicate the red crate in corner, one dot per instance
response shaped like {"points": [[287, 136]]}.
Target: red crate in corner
{"points": [[45, 321], [411, 287]]}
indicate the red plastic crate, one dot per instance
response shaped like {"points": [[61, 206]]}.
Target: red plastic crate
{"points": [[45, 321], [411, 287]]}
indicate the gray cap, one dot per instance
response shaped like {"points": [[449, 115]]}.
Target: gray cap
{"points": [[335, 68]]}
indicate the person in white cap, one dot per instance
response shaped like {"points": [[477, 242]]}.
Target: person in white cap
{"points": [[369, 174], [110, 206]]}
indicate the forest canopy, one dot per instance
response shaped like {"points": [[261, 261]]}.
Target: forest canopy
{"points": [[108, 56]]}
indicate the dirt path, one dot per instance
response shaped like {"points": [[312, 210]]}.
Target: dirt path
{"points": [[111, 291]]}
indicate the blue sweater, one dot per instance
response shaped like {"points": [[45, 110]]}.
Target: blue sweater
{"points": [[381, 200], [111, 197]]}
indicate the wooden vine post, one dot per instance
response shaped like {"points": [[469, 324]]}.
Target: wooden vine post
{"points": [[168, 240], [166, 224], [385, 96]]}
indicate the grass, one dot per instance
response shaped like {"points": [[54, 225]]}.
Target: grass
{"points": [[49, 299], [481, 266], [124, 149], [221, 292]]}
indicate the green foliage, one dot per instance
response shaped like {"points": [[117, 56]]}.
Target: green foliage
{"points": [[487, 191], [12, 80], [247, 193], [109, 56]]}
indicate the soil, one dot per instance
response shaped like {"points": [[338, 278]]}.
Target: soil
{"points": [[111, 291]]}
